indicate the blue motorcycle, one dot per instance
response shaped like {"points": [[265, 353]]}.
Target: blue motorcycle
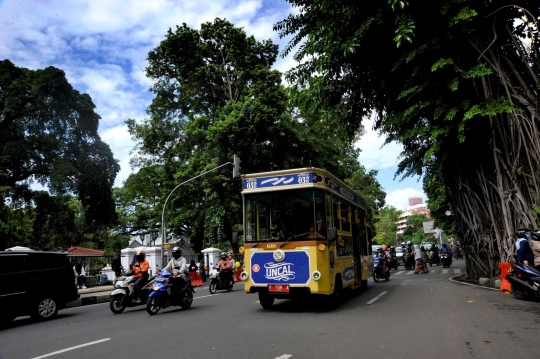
{"points": [[378, 270], [163, 297]]}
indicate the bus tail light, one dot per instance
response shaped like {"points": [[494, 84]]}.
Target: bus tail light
{"points": [[244, 276], [316, 275]]}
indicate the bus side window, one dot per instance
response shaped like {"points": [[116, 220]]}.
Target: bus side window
{"points": [[337, 220], [346, 216]]}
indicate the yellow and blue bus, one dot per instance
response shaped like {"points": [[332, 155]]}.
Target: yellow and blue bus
{"points": [[304, 233]]}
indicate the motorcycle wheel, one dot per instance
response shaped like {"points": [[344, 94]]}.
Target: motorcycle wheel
{"points": [[230, 287], [117, 304], [153, 306], [518, 293], [187, 300], [213, 287], [376, 277], [387, 277]]}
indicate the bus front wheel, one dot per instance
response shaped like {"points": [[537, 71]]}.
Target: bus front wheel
{"points": [[266, 300]]}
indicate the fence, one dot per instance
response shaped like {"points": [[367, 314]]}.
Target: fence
{"points": [[92, 264]]}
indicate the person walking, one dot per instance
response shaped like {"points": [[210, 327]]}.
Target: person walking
{"points": [[418, 258], [192, 266]]}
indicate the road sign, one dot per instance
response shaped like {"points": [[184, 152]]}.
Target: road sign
{"points": [[167, 246], [428, 227]]}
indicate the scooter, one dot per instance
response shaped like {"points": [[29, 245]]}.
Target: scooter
{"points": [[161, 296], [122, 296], [218, 280], [525, 281], [434, 259], [445, 260], [378, 270]]}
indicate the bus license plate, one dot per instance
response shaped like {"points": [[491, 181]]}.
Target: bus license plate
{"points": [[278, 288]]}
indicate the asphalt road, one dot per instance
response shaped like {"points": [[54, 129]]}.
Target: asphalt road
{"points": [[410, 316]]}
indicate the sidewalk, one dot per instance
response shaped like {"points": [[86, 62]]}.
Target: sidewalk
{"points": [[102, 294]]}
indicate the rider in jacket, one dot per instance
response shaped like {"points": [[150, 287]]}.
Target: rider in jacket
{"points": [[177, 266], [225, 267], [524, 252], [140, 273]]}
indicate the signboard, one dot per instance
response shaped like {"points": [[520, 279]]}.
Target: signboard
{"points": [[428, 227], [294, 268], [167, 245]]}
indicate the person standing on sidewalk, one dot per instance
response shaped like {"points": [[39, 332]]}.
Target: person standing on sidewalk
{"points": [[202, 271], [117, 266], [81, 277]]}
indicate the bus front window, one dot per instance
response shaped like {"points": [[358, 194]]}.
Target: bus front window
{"points": [[285, 215]]}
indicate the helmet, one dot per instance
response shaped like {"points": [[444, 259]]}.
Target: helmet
{"points": [[141, 255], [177, 252], [223, 255], [409, 243], [444, 245], [384, 247], [522, 233], [536, 235]]}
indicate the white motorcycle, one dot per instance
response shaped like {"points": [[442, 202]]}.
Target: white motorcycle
{"points": [[218, 280], [122, 296]]}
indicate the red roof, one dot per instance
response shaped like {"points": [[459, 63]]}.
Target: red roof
{"points": [[81, 251]]}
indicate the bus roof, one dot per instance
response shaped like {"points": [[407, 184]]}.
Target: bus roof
{"points": [[299, 178]]}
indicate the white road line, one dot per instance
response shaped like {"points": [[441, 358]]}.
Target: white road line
{"points": [[433, 270], [72, 348], [457, 271], [444, 271], [209, 295], [284, 356], [398, 273], [411, 272], [377, 297]]}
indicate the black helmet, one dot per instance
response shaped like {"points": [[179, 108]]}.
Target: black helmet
{"points": [[444, 245], [177, 252], [522, 233], [536, 235]]}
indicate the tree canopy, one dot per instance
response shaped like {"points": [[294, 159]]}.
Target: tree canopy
{"points": [[456, 83], [386, 225], [48, 135]]}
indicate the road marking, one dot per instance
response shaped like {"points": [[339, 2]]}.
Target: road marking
{"points": [[433, 270], [398, 273], [457, 271], [284, 356], [72, 348], [209, 295], [411, 272], [444, 271], [377, 297]]}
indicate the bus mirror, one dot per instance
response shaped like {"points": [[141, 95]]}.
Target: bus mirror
{"points": [[332, 234]]}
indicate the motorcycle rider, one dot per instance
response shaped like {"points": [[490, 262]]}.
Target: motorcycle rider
{"points": [[225, 267], [446, 250], [434, 253], [177, 265], [233, 267], [384, 259], [525, 254], [140, 273]]}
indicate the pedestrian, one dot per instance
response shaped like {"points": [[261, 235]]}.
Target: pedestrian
{"points": [[81, 276], [418, 258], [535, 246], [117, 266], [202, 270], [424, 259], [192, 266]]}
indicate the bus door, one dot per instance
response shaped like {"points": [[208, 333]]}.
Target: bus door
{"points": [[357, 254]]}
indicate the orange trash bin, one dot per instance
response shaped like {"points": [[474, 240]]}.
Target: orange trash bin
{"points": [[505, 285]]}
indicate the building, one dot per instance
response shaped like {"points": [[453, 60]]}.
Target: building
{"points": [[416, 206]]}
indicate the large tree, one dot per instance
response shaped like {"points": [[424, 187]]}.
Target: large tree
{"points": [[49, 135], [215, 96], [455, 82], [386, 225]]}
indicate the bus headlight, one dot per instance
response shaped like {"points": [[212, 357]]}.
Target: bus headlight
{"points": [[316, 275], [244, 276]]}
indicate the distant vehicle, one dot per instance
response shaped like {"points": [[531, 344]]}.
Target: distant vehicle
{"points": [[35, 283], [399, 255]]}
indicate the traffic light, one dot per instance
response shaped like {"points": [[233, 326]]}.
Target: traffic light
{"points": [[236, 167]]}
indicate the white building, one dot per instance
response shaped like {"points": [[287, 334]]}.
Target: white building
{"points": [[416, 206]]}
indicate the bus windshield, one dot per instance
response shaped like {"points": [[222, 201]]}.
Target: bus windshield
{"points": [[285, 215]]}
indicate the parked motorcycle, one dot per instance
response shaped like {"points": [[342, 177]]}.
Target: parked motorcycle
{"points": [[122, 296], [378, 270], [445, 260], [525, 281], [162, 297], [219, 280]]}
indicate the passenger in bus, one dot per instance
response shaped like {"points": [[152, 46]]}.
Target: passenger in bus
{"points": [[321, 228]]}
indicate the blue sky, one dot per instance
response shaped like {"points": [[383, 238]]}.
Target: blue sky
{"points": [[102, 47]]}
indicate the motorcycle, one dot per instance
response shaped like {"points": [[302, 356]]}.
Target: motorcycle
{"points": [[162, 297], [218, 280], [445, 260], [394, 262], [122, 296], [525, 281], [434, 259], [378, 270], [409, 261]]}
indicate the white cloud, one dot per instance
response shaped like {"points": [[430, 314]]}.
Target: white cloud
{"points": [[374, 155], [400, 197]]}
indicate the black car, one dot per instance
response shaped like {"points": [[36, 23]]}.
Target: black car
{"points": [[35, 283]]}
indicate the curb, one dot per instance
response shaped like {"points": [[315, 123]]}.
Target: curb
{"points": [[453, 279]]}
